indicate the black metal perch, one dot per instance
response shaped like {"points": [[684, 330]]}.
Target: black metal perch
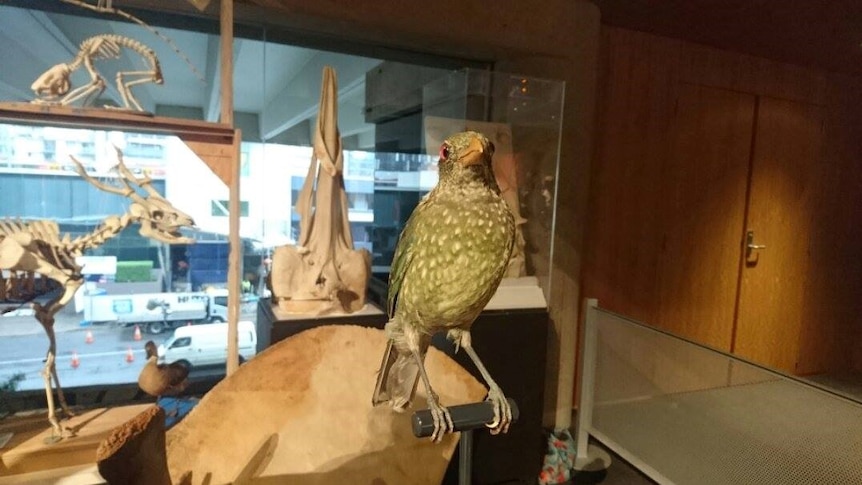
{"points": [[466, 418]]}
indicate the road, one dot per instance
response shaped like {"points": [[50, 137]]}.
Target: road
{"points": [[23, 345]]}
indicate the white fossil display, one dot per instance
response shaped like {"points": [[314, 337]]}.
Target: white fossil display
{"points": [[323, 273], [54, 86], [36, 247]]}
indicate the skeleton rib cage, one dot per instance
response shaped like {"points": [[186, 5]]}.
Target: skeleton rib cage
{"points": [[36, 247]]}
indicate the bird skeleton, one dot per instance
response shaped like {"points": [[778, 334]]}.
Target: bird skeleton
{"points": [[450, 258], [36, 247]]}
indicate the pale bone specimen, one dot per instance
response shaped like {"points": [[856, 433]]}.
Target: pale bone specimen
{"points": [[54, 85], [37, 247], [106, 7], [322, 273]]}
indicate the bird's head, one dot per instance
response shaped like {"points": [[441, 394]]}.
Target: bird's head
{"points": [[152, 350], [467, 154]]}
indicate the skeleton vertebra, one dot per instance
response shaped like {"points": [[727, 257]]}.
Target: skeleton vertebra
{"points": [[37, 247], [54, 85]]}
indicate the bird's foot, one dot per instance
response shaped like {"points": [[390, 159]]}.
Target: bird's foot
{"points": [[502, 411], [442, 419]]}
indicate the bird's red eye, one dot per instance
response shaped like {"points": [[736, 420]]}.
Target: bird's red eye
{"points": [[444, 151]]}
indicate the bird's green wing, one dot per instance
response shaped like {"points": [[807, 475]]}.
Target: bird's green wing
{"points": [[404, 252]]}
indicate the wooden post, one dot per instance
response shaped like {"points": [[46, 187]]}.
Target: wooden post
{"points": [[227, 62], [235, 257], [234, 262]]}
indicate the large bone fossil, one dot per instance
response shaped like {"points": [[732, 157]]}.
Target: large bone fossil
{"points": [[54, 86], [37, 247], [323, 273]]}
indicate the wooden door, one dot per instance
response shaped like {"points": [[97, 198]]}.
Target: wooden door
{"points": [[785, 182], [702, 204]]}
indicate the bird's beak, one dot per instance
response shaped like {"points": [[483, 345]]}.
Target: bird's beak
{"points": [[475, 153]]}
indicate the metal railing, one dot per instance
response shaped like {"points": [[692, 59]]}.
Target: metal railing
{"points": [[684, 414]]}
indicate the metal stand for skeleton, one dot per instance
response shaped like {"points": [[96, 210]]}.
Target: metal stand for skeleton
{"points": [[466, 418]]}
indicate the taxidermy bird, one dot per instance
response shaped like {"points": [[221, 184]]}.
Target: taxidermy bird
{"points": [[159, 380], [449, 260]]}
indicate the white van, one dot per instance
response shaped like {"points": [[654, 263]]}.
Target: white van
{"points": [[206, 344]]}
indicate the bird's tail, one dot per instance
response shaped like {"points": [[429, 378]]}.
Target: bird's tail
{"points": [[396, 379]]}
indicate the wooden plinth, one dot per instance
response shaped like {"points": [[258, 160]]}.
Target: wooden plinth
{"points": [[27, 451]]}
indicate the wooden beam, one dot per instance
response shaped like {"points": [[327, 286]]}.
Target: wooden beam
{"points": [[235, 256], [234, 262], [115, 120], [227, 62]]}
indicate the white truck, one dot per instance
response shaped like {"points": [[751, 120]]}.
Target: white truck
{"points": [[205, 345], [155, 312]]}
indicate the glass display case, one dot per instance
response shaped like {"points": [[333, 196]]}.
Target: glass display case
{"points": [[523, 118], [80, 182], [392, 118]]}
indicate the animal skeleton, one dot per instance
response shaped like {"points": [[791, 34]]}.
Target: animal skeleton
{"points": [[54, 85], [106, 7], [37, 247]]}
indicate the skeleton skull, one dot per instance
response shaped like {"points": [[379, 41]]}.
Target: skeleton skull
{"points": [[53, 83], [162, 221]]}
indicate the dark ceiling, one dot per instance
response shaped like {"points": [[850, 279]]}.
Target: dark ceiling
{"points": [[818, 33]]}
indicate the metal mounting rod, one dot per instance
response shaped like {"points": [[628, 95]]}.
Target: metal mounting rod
{"points": [[465, 417]]}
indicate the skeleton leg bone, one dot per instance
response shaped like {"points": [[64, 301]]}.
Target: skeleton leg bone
{"points": [[45, 316], [94, 88], [50, 370], [57, 434], [125, 87]]}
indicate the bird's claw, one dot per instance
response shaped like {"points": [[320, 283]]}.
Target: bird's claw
{"points": [[442, 419], [502, 412]]}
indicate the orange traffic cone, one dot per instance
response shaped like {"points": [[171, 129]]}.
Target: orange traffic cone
{"points": [[130, 357], [89, 337], [75, 361], [137, 332]]}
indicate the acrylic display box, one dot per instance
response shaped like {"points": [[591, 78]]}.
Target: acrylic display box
{"points": [[522, 117]]}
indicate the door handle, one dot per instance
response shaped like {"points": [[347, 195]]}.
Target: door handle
{"points": [[749, 244]]}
